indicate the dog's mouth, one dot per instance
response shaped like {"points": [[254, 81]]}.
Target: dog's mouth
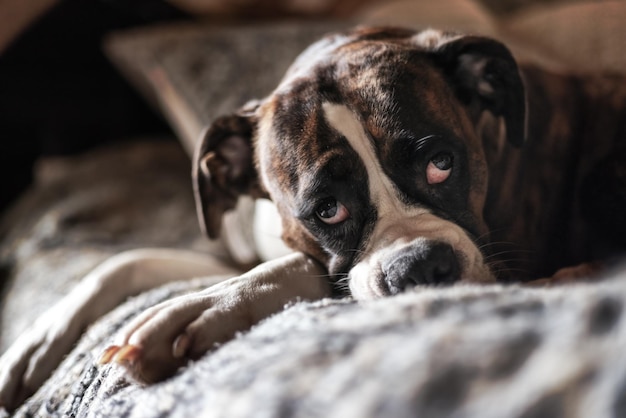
{"points": [[450, 256]]}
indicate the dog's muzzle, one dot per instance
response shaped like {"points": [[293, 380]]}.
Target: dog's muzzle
{"points": [[430, 263]]}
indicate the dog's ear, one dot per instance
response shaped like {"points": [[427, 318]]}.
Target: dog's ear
{"points": [[486, 77], [223, 169]]}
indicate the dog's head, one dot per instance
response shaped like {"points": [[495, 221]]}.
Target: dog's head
{"points": [[373, 149]]}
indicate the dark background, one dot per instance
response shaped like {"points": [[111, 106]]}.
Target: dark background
{"points": [[60, 95]]}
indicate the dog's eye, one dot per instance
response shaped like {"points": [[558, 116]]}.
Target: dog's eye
{"points": [[439, 168], [332, 212]]}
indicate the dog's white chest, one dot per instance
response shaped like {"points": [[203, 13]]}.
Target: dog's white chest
{"points": [[252, 231]]}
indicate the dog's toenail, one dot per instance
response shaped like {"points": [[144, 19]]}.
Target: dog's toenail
{"points": [[181, 345], [127, 354], [108, 354]]}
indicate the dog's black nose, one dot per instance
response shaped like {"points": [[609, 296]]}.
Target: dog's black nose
{"points": [[421, 263]]}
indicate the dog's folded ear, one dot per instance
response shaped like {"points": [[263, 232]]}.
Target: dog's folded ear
{"points": [[223, 169], [486, 77]]}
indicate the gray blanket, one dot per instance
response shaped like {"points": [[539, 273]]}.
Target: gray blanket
{"points": [[480, 352], [465, 351]]}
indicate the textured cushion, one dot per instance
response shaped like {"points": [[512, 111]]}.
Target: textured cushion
{"points": [[195, 72]]}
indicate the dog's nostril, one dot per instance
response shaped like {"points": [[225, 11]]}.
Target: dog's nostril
{"points": [[442, 271], [444, 264]]}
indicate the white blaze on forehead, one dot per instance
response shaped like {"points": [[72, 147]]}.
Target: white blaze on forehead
{"points": [[383, 192]]}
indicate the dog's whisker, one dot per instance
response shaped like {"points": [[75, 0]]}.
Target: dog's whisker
{"points": [[500, 269], [356, 250], [324, 276], [492, 243], [490, 257], [480, 237], [341, 277], [504, 244], [342, 283], [510, 260], [504, 261]]}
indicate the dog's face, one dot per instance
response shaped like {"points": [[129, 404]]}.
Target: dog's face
{"points": [[373, 149]]}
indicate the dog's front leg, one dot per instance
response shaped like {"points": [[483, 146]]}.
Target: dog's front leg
{"points": [[39, 350], [160, 340]]}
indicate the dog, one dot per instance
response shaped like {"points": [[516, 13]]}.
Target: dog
{"points": [[395, 158]]}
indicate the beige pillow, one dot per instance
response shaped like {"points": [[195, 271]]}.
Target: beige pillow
{"points": [[580, 36], [460, 15], [195, 72], [585, 36]]}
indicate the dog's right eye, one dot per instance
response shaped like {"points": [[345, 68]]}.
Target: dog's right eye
{"points": [[439, 168], [332, 212]]}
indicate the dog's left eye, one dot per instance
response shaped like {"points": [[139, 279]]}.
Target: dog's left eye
{"points": [[332, 212], [439, 168]]}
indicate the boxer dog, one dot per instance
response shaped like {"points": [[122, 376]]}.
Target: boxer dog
{"points": [[395, 159]]}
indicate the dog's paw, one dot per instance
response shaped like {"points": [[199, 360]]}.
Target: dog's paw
{"points": [[163, 338], [35, 354]]}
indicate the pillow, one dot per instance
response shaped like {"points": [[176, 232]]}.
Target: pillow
{"points": [[195, 72], [461, 15], [586, 36], [583, 36]]}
